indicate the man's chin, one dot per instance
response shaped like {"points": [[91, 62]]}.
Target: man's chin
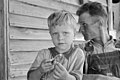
{"points": [[88, 38]]}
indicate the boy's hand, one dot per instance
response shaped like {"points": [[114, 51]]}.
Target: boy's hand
{"points": [[60, 73], [46, 66]]}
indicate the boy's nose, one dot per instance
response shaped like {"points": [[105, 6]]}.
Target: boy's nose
{"points": [[61, 37]]}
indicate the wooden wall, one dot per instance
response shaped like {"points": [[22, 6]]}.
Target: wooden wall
{"points": [[116, 12], [28, 31], [3, 57]]}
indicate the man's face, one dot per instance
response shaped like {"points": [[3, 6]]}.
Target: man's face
{"points": [[89, 26], [62, 36]]}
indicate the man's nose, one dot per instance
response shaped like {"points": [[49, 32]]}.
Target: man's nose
{"points": [[81, 29]]}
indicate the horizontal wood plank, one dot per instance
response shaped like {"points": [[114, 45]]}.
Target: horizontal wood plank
{"points": [[22, 67], [27, 33], [30, 10], [53, 4], [18, 78], [15, 73], [75, 2], [26, 21], [20, 63], [21, 58], [29, 45]]}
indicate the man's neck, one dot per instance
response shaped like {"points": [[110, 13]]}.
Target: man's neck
{"points": [[102, 41]]}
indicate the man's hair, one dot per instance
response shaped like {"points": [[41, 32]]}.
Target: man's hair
{"points": [[61, 18], [93, 8]]}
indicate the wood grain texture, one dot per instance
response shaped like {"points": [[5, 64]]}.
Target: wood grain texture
{"points": [[18, 78], [28, 10], [74, 2], [53, 4], [31, 10], [20, 58], [29, 45], [3, 40], [27, 33], [27, 21]]}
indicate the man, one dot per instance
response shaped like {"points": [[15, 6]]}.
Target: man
{"points": [[102, 58]]}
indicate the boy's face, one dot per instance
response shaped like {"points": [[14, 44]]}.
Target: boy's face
{"points": [[89, 26], [62, 37]]}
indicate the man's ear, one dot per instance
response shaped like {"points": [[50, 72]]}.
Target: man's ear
{"points": [[101, 21]]}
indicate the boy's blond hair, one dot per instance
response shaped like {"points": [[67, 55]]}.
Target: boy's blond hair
{"points": [[61, 18]]}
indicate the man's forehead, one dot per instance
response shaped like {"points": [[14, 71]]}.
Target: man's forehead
{"points": [[86, 17]]}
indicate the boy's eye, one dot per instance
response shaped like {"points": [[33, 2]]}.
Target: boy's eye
{"points": [[65, 33]]}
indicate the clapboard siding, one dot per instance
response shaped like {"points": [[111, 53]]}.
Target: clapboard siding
{"points": [[21, 67], [21, 63], [53, 4], [20, 58], [32, 10], [27, 21], [75, 2], [18, 78], [29, 10], [29, 45], [29, 31]]}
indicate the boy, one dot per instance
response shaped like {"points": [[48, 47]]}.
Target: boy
{"points": [[65, 60]]}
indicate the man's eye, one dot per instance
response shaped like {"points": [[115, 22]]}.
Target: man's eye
{"points": [[54, 33], [84, 24]]}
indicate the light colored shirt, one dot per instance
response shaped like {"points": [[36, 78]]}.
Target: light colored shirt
{"points": [[73, 61], [97, 49]]}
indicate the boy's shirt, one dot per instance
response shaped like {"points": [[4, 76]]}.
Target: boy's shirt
{"points": [[73, 61]]}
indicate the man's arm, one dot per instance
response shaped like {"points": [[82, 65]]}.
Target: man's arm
{"points": [[98, 77]]}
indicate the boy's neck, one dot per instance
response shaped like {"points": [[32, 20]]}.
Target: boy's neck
{"points": [[62, 51]]}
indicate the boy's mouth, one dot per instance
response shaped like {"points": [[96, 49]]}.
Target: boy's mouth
{"points": [[61, 43]]}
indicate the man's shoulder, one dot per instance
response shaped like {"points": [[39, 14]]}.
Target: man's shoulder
{"points": [[86, 44], [117, 43]]}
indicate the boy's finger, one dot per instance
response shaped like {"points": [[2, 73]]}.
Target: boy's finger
{"points": [[56, 73], [55, 76], [59, 67], [62, 61], [48, 64]]}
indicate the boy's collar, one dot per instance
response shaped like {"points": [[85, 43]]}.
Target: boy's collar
{"points": [[67, 54]]}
